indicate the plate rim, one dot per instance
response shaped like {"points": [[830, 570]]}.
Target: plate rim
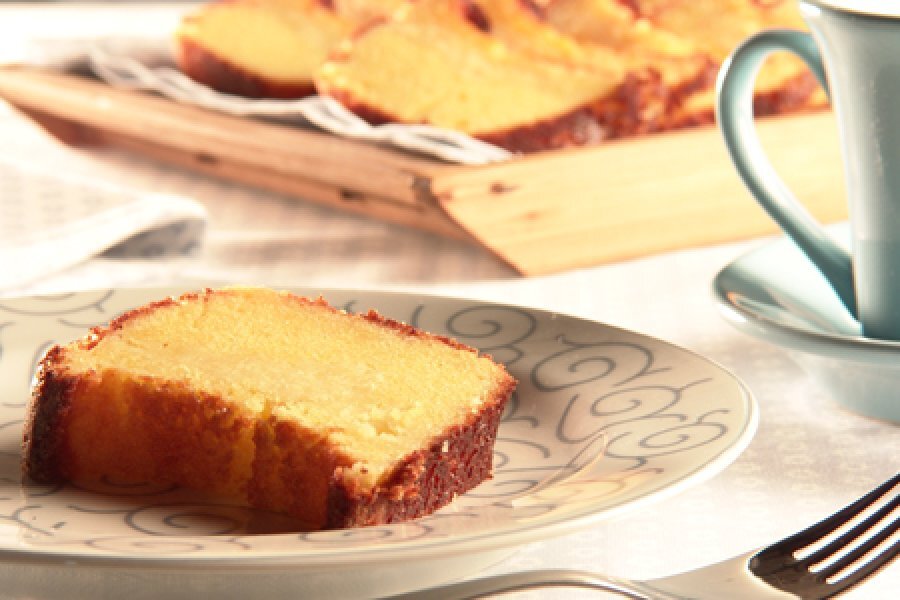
{"points": [[478, 542]]}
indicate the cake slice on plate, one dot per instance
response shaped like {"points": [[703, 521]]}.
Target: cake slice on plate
{"points": [[271, 400]]}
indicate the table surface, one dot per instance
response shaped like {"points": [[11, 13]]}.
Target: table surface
{"points": [[808, 458]]}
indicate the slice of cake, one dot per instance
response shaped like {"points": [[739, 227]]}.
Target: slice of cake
{"points": [[258, 48], [660, 69], [274, 401], [440, 62]]}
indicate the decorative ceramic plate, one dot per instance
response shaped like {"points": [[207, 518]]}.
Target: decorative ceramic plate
{"points": [[603, 420]]}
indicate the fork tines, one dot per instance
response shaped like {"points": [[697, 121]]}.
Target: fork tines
{"points": [[838, 552]]}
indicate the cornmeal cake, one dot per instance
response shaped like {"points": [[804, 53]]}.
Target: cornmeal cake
{"points": [[273, 400]]}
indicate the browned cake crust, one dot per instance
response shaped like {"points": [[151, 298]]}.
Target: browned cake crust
{"points": [[644, 104], [579, 127], [176, 435], [426, 481], [45, 422]]}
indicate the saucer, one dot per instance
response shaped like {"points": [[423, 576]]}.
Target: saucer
{"points": [[776, 294]]}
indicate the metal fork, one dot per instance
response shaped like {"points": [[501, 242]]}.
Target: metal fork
{"points": [[819, 562]]}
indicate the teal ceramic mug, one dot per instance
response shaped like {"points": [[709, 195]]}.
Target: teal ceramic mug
{"points": [[854, 50]]}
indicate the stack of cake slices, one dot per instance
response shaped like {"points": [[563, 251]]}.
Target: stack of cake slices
{"points": [[525, 76]]}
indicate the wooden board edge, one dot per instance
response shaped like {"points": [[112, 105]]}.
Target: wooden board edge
{"points": [[544, 214]]}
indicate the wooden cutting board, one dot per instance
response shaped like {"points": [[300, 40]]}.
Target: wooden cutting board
{"points": [[541, 213]]}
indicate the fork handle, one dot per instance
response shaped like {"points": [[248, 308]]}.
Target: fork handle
{"points": [[514, 582]]}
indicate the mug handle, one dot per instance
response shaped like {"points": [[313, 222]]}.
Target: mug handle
{"points": [[734, 114]]}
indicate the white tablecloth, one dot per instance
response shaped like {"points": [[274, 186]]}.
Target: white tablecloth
{"points": [[808, 458]]}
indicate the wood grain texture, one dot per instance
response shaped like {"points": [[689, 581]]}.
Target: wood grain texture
{"points": [[628, 199], [540, 213]]}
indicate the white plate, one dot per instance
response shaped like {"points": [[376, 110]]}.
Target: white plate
{"points": [[603, 420]]}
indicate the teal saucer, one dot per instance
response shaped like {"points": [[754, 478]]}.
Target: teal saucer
{"points": [[775, 293]]}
